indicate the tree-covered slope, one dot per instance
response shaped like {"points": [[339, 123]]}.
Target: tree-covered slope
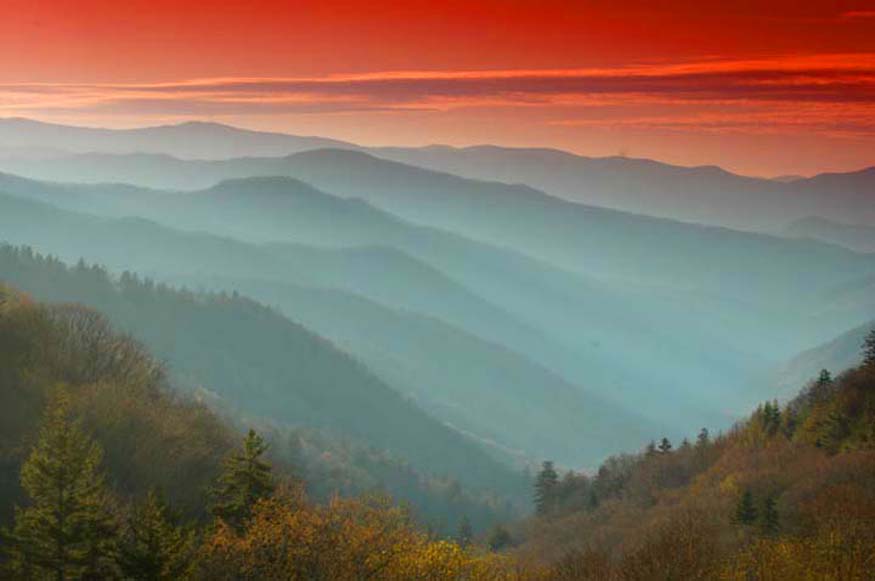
{"points": [[502, 399], [786, 494], [259, 363]]}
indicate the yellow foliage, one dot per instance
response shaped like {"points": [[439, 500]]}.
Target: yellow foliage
{"points": [[729, 486], [347, 539]]}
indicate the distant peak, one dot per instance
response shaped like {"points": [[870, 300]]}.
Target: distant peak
{"points": [[335, 153], [273, 186], [202, 125]]}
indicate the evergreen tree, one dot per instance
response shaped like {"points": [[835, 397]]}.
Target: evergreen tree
{"points": [[466, 533], [869, 349], [822, 384], [246, 478], [67, 531], [545, 488], [832, 431], [664, 446], [154, 547], [769, 519], [650, 450], [771, 415], [703, 439], [745, 511]]}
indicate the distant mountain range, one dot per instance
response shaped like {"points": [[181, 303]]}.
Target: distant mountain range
{"points": [[706, 194], [195, 139]]}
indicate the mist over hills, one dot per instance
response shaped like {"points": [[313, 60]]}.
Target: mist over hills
{"points": [[501, 297], [836, 355], [854, 236], [705, 194], [268, 366], [401, 283], [193, 139], [584, 326]]}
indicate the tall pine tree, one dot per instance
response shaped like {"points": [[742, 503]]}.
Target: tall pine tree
{"points": [[68, 530], [745, 511], [703, 439], [245, 479], [769, 518], [545, 488], [154, 548], [664, 446], [869, 349]]}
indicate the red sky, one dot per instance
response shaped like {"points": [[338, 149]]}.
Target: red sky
{"points": [[758, 87]]}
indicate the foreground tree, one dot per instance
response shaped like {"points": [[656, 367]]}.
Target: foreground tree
{"points": [[245, 480], [68, 530], [154, 547]]}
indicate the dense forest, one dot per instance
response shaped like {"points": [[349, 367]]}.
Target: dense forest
{"points": [[786, 494], [108, 473], [329, 418]]}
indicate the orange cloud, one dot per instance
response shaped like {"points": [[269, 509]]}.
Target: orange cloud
{"points": [[845, 79]]}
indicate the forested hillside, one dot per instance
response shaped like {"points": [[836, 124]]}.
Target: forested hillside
{"points": [[153, 485], [106, 473], [786, 494], [275, 373]]}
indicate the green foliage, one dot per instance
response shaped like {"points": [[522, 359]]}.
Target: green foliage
{"points": [[745, 510], [771, 417], [703, 439], [843, 417], [154, 547], [769, 520], [664, 446], [869, 349], [67, 530], [245, 479], [546, 485], [823, 382]]}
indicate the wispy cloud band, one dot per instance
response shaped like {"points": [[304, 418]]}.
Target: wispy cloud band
{"points": [[840, 89]]}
